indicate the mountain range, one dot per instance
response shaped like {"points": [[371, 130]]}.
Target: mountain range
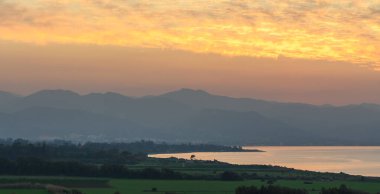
{"points": [[185, 115]]}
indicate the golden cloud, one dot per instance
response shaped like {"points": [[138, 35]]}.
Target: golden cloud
{"points": [[308, 29]]}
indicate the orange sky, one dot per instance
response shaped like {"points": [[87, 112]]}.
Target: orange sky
{"points": [[315, 51]]}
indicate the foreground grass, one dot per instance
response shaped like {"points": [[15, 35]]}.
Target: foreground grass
{"points": [[217, 187], [162, 186], [125, 186], [23, 191]]}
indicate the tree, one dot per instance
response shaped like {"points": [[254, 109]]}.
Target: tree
{"points": [[230, 176], [343, 189], [268, 190]]}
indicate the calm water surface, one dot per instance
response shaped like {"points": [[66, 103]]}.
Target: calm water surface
{"points": [[351, 160]]}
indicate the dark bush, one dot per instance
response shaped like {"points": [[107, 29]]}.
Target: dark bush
{"points": [[230, 176], [343, 189], [268, 190]]}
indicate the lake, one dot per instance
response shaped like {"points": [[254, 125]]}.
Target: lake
{"points": [[358, 160]]}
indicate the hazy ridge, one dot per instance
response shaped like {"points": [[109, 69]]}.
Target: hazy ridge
{"points": [[185, 115]]}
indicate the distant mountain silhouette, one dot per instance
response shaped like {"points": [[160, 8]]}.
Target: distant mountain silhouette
{"points": [[352, 123], [6, 97], [186, 115], [151, 112], [38, 122], [218, 126]]}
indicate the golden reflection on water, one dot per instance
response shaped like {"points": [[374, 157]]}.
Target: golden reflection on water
{"points": [[357, 160]]}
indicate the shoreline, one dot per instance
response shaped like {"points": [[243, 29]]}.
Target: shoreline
{"points": [[317, 159]]}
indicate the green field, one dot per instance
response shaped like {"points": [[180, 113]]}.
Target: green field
{"points": [[207, 180], [201, 187], [220, 187], [23, 191]]}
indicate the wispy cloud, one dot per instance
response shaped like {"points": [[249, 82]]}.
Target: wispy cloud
{"points": [[307, 29]]}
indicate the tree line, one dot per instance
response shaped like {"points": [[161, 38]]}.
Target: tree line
{"points": [[104, 153], [272, 189], [36, 166]]}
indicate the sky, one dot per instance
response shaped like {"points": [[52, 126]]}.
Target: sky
{"points": [[312, 51]]}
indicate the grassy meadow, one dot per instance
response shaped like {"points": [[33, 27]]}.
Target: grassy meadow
{"points": [[23, 191], [128, 186], [217, 187]]}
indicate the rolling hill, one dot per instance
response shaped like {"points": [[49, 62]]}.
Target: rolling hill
{"points": [[186, 115]]}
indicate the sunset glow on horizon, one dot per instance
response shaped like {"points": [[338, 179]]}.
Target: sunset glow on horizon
{"points": [[346, 31], [315, 51]]}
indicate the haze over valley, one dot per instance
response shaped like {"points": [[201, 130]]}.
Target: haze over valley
{"points": [[185, 115]]}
